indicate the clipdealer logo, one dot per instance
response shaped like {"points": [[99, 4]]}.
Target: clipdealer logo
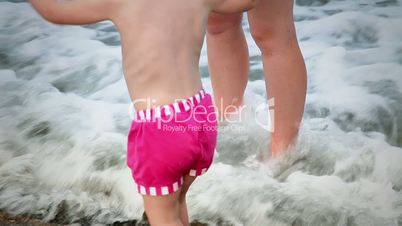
{"points": [[231, 114]]}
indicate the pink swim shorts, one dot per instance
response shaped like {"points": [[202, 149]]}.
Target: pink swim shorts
{"points": [[170, 141]]}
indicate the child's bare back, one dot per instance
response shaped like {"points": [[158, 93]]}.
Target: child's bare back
{"points": [[161, 46]]}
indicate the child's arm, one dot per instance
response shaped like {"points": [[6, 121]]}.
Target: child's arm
{"points": [[232, 6], [75, 11]]}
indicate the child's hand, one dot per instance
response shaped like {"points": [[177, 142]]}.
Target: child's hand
{"points": [[75, 11]]}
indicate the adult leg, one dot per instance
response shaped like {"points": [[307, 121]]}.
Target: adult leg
{"points": [[163, 210], [228, 59], [272, 27]]}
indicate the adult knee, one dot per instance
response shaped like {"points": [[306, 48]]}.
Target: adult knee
{"points": [[218, 24], [269, 39]]}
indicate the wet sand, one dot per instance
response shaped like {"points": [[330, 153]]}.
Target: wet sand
{"points": [[7, 219]]}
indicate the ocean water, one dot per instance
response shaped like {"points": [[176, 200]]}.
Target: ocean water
{"points": [[64, 119]]}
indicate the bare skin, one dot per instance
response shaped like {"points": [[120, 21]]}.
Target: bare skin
{"points": [[272, 27], [169, 209], [161, 40], [161, 44]]}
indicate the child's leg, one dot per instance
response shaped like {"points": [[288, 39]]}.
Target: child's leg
{"points": [[273, 29], [227, 59], [188, 180], [163, 210], [169, 210]]}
